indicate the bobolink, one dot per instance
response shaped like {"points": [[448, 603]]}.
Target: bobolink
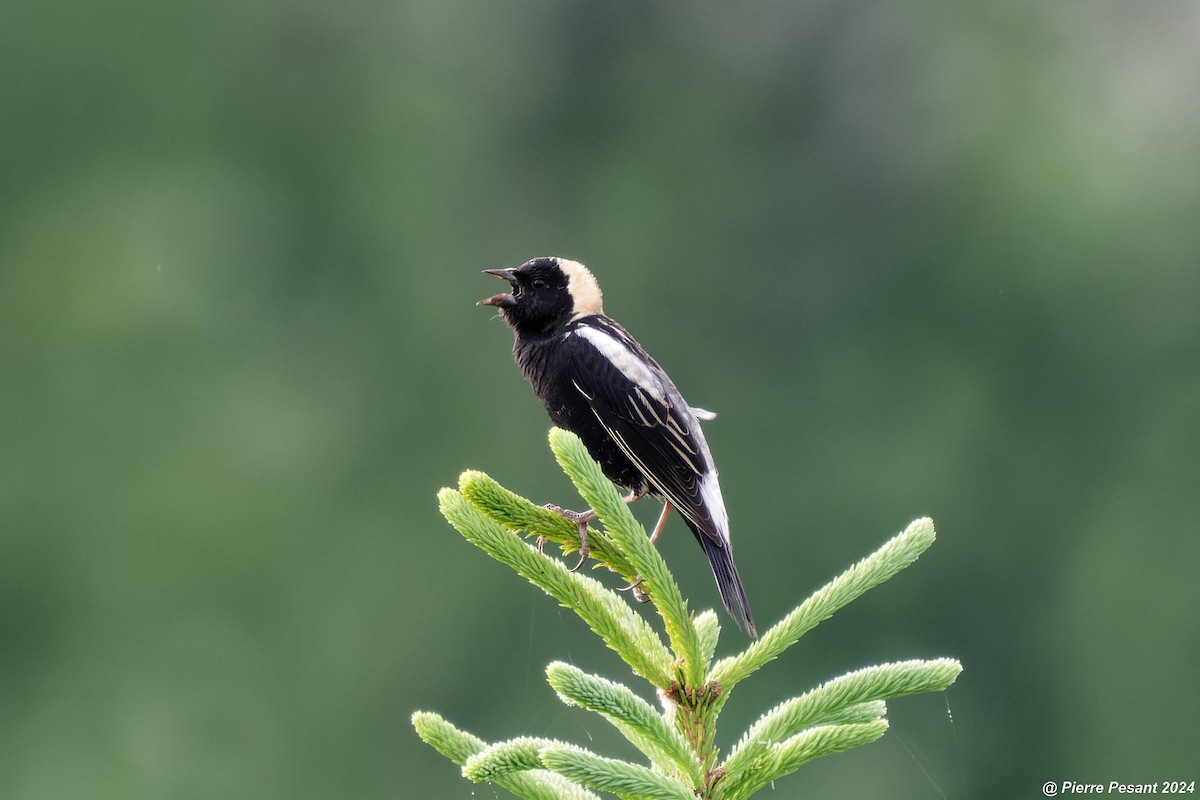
{"points": [[596, 381]]}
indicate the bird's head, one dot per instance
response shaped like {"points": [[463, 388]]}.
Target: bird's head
{"points": [[545, 292]]}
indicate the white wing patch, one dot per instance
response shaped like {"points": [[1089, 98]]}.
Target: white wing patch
{"points": [[625, 360], [710, 490]]}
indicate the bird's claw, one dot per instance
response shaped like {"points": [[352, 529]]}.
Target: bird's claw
{"points": [[584, 547], [639, 593], [580, 518]]}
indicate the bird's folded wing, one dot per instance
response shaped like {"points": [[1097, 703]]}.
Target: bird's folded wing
{"points": [[641, 409]]}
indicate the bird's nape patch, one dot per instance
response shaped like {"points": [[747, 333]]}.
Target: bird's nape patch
{"points": [[584, 288]]}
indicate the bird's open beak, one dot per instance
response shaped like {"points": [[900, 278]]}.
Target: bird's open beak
{"points": [[503, 300]]}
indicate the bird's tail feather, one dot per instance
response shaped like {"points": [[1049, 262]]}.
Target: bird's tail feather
{"points": [[729, 582]]}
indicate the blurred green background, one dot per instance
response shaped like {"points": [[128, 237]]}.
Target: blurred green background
{"points": [[932, 258]]}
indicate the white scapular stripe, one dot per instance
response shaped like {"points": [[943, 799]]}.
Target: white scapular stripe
{"points": [[625, 360]]}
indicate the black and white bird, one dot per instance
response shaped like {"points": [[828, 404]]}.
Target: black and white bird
{"points": [[598, 382]]}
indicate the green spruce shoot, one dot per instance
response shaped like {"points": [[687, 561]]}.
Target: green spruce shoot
{"points": [[677, 740]]}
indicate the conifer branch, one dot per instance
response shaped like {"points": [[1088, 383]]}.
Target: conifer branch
{"points": [[900, 551], [678, 742], [636, 719], [459, 747], [621, 778], [708, 632], [518, 514], [605, 612], [829, 702], [602, 496], [777, 760]]}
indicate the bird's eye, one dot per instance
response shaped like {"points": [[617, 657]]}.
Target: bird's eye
{"points": [[538, 283]]}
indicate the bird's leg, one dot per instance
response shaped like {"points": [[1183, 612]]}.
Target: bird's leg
{"points": [[582, 518], [662, 520]]}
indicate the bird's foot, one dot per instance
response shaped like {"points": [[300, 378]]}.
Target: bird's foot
{"points": [[580, 518], [639, 593]]}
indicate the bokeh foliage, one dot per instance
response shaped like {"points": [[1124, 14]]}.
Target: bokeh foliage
{"points": [[935, 258]]}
